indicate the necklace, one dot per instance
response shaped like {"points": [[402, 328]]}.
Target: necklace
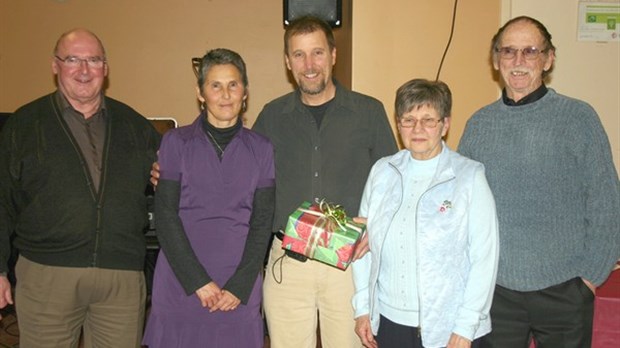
{"points": [[221, 152]]}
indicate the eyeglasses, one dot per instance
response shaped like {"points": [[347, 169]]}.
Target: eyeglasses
{"points": [[529, 53], [74, 62], [425, 122]]}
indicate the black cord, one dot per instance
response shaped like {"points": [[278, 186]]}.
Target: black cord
{"points": [[449, 40], [273, 267]]}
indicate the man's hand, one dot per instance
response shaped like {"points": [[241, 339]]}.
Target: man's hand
{"points": [[457, 341], [5, 292], [209, 295], [589, 285], [155, 174], [363, 247], [227, 302], [363, 331]]}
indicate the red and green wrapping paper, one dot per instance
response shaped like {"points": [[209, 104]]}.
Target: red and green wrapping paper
{"points": [[323, 233]]}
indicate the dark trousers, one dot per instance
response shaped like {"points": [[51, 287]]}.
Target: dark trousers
{"points": [[393, 335], [558, 316]]}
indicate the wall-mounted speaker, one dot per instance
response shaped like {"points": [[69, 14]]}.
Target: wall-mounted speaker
{"points": [[328, 10]]}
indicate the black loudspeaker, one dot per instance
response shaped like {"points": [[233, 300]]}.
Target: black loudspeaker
{"points": [[328, 10]]}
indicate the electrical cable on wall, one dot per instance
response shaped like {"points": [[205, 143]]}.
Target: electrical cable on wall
{"points": [[449, 39]]}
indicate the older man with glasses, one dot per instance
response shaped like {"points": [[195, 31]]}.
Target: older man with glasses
{"points": [[74, 166], [549, 165]]}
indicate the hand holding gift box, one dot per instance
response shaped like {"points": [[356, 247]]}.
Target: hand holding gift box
{"points": [[322, 232]]}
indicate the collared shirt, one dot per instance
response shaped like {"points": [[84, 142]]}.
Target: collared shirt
{"points": [[88, 133], [328, 162], [528, 99]]}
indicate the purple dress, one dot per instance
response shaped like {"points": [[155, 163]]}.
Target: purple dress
{"points": [[215, 207]]}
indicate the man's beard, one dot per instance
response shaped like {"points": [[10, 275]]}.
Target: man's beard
{"points": [[318, 89]]}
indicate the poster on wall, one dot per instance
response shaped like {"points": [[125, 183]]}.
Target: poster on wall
{"points": [[598, 21]]}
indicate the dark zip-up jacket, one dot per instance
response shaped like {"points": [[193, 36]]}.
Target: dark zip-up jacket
{"points": [[47, 198]]}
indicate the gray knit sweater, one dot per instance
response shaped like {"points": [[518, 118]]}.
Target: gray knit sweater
{"points": [[557, 192]]}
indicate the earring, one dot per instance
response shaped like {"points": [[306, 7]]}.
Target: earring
{"points": [[202, 106], [244, 106]]}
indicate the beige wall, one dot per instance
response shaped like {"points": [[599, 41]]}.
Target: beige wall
{"points": [[395, 41], [149, 44], [398, 40], [589, 71]]}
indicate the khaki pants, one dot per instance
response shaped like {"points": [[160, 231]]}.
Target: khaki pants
{"points": [[54, 303], [308, 289]]}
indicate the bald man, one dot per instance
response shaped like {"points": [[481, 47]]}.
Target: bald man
{"points": [[74, 166]]}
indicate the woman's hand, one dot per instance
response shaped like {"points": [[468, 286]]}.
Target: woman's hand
{"points": [[457, 341], [363, 331], [154, 173], [589, 285], [209, 295], [227, 302], [362, 247]]}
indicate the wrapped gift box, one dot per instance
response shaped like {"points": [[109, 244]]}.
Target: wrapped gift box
{"points": [[323, 233]]}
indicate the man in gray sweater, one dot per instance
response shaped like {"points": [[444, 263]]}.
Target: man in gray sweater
{"points": [[549, 165]]}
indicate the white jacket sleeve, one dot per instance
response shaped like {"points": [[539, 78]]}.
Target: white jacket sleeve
{"points": [[361, 267], [483, 253]]}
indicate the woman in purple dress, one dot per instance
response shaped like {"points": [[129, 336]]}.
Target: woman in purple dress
{"points": [[213, 213]]}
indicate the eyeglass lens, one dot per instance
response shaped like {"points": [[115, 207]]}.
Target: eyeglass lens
{"points": [[425, 122], [73, 61], [511, 52]]}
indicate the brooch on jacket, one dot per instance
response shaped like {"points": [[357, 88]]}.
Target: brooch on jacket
{"points": [[445, 206]]}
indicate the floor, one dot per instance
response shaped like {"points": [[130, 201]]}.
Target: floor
{"points": [[9, 330], [9, 333]]}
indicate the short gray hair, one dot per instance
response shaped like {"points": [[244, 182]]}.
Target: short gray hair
{"points": [[221, 56], [420, 92]]}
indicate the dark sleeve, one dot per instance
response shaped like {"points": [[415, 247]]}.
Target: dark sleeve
{"points": [[153, 142], [464, 147], [384, 142], [260, 125], [7, 207], [242, 281], [472, 140], [601, 192], [173, 240]]}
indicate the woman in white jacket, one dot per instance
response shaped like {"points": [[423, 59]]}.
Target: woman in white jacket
{"points": [[428, 279]]}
